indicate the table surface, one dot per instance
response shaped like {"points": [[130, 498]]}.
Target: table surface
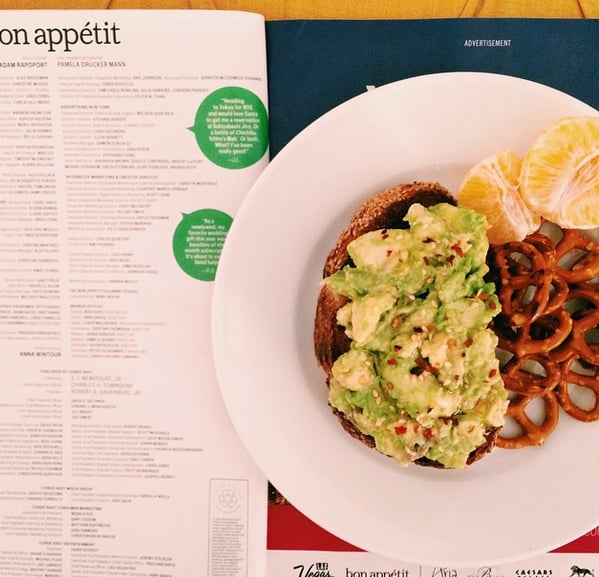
{"points": [[343, 9]]}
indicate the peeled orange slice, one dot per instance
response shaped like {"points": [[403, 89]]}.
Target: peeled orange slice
{"points": [[491, 188], [560, 172]]}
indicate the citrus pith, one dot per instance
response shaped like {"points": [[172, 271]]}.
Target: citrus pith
{"points": [[491, 187], [560, 172]]}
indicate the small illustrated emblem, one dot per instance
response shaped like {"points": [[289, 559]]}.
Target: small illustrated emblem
{"points": [[228, 499], [576, 571]]}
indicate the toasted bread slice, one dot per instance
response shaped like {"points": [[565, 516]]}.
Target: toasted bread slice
{"points": [[385, 210]]}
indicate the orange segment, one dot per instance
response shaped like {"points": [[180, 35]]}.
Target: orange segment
{"points": [[491, 188], [560, 172]]}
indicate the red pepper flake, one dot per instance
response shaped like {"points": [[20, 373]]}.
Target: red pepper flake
{"points": [[392, 362], [426, 260], [450, 258], [425, 365], [428, 240], [468, 342], [389, 252], [401, 430], [492, 305], [484, 296], [384, 234], [457, 249], [428, 433], [397, 348], [492, 373], [416, 428]]}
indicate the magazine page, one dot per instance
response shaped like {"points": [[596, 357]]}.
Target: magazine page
{"points": [[315, 66], [128, 140]]}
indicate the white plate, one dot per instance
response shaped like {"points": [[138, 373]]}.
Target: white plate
{"points": [[509, 506]]}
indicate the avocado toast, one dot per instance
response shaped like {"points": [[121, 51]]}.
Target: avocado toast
{"points": [[401, 329]]}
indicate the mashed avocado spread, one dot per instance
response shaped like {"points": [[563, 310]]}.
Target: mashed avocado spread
{"points": [[421, 376]]}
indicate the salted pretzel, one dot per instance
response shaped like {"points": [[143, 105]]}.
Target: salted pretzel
{"points": [[550, 314], [588, 381], [532, 433], [585, 267], [532, 377], [528, 285]]}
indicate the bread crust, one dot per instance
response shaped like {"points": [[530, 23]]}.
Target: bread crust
{"points": [[386, 209]]}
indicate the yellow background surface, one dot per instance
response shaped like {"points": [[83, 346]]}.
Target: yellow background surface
{"points": [[288, 9]]}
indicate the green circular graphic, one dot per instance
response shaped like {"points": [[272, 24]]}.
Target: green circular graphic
{"points": [[231, 127], [198, 241]]}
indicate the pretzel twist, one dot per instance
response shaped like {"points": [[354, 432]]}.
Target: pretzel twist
{"points": [[522, 377], [589, 382], [583, 262], [532, 433]]}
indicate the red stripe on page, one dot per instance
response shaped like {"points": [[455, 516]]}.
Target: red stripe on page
{"points": [[588, 543], [290, 530]]}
